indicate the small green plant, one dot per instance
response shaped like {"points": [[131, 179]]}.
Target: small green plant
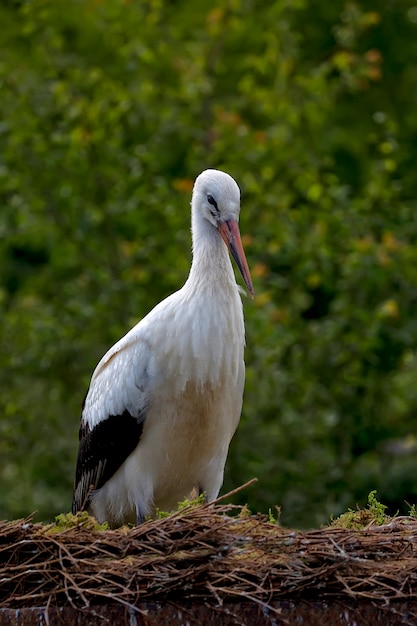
{"points": [[64, 521], [359, 519], [187, 502], [376, 508], [413, 511], [192, 502], [274, 518], [158, 515]]}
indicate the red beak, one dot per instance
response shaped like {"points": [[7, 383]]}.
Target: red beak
{"points": [[229, 231]]}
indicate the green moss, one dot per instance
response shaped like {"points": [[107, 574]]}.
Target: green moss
{"points": [[413, 510], [184, 504], [198, 501], [64, 521], [359, 519], [273, 518]]}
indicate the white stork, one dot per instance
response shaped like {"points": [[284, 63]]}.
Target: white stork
{"points": [[165, 401]]}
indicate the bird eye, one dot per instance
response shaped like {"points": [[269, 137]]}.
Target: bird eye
{"points": [[212, 201]]}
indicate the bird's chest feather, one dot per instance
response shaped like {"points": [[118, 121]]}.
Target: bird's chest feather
{"points": [[202, 345], [192, 427]]}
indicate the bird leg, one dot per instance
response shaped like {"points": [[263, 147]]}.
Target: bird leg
{"points": [[140, 518]]}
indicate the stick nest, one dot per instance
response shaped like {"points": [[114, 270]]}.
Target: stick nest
{"points": [[211, 553]]}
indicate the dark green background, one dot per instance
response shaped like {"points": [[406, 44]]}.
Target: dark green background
{"points": [[108, 111]]}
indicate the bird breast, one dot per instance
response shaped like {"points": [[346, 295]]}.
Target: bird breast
{"points": [[201, 340]]}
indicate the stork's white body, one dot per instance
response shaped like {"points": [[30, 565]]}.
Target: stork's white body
{"points": [[180, 371]]}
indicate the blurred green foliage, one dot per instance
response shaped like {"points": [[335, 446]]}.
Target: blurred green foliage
{"points": [[108, 111]]}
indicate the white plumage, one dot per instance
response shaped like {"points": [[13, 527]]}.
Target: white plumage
{"points": [[165, 400]]}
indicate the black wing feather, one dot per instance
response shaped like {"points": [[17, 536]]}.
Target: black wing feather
{"points": [[101, 452]]}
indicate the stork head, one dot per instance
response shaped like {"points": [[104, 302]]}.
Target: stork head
{"points": [[216, 196]]}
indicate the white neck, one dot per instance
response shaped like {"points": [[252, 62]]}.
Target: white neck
{"points": [[211, 268], [210, 329]]}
